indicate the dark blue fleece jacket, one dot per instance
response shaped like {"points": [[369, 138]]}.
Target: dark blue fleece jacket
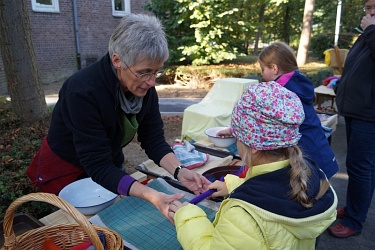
{"points": [[271, 191], [313, 142]]}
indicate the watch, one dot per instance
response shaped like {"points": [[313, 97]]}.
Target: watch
{"points": [[177, 171]]}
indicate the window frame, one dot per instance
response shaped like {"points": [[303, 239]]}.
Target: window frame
{"points": [[37, 7], [121, 13]]}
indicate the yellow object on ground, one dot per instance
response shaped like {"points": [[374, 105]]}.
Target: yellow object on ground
{"points": [[327, 56], [330, 59]]}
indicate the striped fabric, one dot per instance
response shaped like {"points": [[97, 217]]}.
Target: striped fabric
{"points": [[188, 156]]}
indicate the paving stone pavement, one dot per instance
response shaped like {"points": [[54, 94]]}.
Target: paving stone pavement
{"points": [[366, 240]]}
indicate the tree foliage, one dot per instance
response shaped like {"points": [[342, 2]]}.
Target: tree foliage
{"points": [[211, 31], [216, 30]]}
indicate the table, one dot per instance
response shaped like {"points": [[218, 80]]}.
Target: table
{"points": [[144, 227], [323, 92], [60, 217]]}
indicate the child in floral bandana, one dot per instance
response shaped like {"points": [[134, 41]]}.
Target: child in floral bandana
{"points": [[284, 202]]}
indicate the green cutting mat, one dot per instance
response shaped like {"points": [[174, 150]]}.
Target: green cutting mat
{"points": [[141, 224]]}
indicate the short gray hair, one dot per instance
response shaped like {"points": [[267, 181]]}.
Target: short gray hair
{"points": [[138, 38]]}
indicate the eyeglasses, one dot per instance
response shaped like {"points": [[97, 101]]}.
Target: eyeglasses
{"points": [[368, 8], [147, 76]]}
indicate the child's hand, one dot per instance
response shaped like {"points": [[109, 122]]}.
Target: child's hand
{"points": [[221, 188], [224, 133], [173, 207]]}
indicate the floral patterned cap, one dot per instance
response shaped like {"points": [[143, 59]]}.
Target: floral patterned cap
{"points": [[267, 117]]}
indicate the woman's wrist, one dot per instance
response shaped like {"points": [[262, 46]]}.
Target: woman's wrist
{"points": [[177, 171], [124, 185]]}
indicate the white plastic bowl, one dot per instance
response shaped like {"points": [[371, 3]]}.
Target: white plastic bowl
{"points": [[221, 142], [87, 196]]}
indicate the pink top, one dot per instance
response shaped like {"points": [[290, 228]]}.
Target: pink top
{"points": [[284, 78]]}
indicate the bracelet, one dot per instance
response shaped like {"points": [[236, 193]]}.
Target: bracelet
{"points": [[177, 171]]}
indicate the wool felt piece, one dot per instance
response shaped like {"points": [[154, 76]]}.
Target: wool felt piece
{"points": [[188, 155], [330, 81]]}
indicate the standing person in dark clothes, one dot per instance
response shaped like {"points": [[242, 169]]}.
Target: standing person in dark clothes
{"points": [[355, 98]]}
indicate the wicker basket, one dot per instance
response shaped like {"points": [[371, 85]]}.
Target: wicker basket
{"points": [[64, 236]]}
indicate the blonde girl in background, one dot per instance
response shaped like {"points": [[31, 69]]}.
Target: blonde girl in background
{"points": [[278, 63]]}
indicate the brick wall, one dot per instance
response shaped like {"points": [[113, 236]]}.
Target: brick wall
{"points": [[54, 37], [136, 6], [96, 25], [53, 40]]}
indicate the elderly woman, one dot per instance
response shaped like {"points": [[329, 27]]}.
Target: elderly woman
{"points": [[99, 111]]}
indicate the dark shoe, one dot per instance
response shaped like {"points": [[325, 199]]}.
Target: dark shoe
{"points": [[341, 231], [340, 212]]}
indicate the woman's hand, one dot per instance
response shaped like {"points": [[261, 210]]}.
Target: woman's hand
{"points": [[163, 203], [189, 178], [193, 181], [160, 200]]}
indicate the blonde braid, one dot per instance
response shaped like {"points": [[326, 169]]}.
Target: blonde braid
{"points": [[299, 172], [299, 175]]}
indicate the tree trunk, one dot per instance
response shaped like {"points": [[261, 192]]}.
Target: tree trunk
{"points": [[306, 32], [286, 23], [21, 69], [260, 28]]}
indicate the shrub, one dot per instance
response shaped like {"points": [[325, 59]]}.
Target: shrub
{"points": [[205, 76], [18, 145], [322, 42], [317, 78]]}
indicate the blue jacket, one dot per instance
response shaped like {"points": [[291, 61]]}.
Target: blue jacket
{"points": [[86, 127], [313, 142]]}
